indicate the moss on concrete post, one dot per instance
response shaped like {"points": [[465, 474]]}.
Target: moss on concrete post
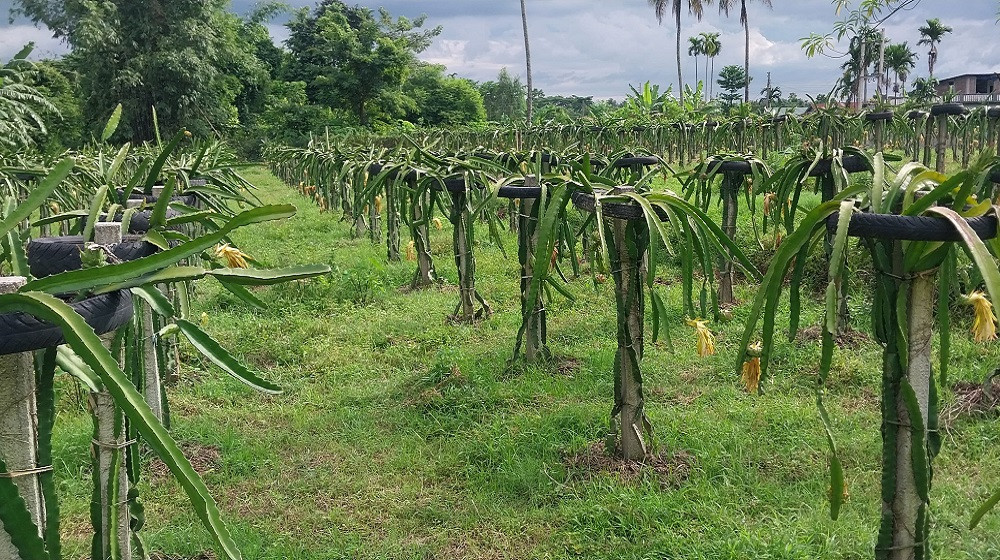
{"points": [[909, 415], [628, 243], [471, 305], [420, 212], [391, 221], [535, 343], [19, 429], [111, 519], [730, 207], [942, 143]]}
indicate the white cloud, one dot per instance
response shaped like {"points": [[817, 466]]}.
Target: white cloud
{"points": [[15, 37]]}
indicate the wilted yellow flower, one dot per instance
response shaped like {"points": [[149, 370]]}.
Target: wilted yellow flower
{"points": [[411, 251], [769, 200], [378, 204], [751, 369], [984, 326], [437, 223], [706, 340], [204, 319], [187, 133], [233, 256]]}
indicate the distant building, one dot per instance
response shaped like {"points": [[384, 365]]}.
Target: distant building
{"points": [[971, 85]]}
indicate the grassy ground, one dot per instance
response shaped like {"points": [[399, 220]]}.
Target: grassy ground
{"points": [[403, 436]]}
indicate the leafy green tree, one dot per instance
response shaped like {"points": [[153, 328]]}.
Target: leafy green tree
{"points": [[924, 90], [441, 100], [505, 98], [187, 59], [732, 79], [57, 82], [351, 60], [290, 118], [562, 109]]}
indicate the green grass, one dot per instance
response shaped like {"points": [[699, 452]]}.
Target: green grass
{"points": [[403, 436]]}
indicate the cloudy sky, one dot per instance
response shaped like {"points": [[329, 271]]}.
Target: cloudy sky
{"points": [[599, 47]]}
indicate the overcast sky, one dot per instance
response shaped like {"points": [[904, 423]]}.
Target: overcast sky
{"points": [[599, 47]]}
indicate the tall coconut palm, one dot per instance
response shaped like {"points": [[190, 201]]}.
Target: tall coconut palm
{"points": [[712, 47], [696, 48], [900, 59], [697, 8], [931, 34], [726, 6], [527, 56]]}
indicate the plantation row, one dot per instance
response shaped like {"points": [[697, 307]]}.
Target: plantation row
{"points": [[626, 214], [915, 132]]}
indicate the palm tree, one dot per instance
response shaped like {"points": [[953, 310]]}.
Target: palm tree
{"points": [[900, 59], [22, 106], [725, 6], [931, 34], [712, 47], [696, 7], [696, 47], [770, 95], [527, 56]]}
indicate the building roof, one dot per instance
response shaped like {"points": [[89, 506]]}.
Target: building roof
{"points": [[982, 75]]}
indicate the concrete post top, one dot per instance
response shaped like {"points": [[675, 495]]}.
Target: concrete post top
{"points": [[530, 181], [107, 233], [134, 203], [11, 284], [158, 190]]}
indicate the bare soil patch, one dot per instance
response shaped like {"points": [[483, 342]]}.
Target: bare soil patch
{"points": [[670, 469]]}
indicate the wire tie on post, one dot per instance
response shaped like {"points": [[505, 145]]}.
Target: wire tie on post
{"points": [[28, 472]]}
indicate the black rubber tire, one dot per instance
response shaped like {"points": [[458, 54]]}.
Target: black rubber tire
{"points": [[21, 332], [53, 255], [915, 114], [635, 161], [623, 211], [519, 191], [948, 109], [911, 228], [189, 199], [735, 167], [779, 119], [139, 223], [711, 124], [852, 164], [993, 113], [995, 174], [453, 184], [879, 116]]}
